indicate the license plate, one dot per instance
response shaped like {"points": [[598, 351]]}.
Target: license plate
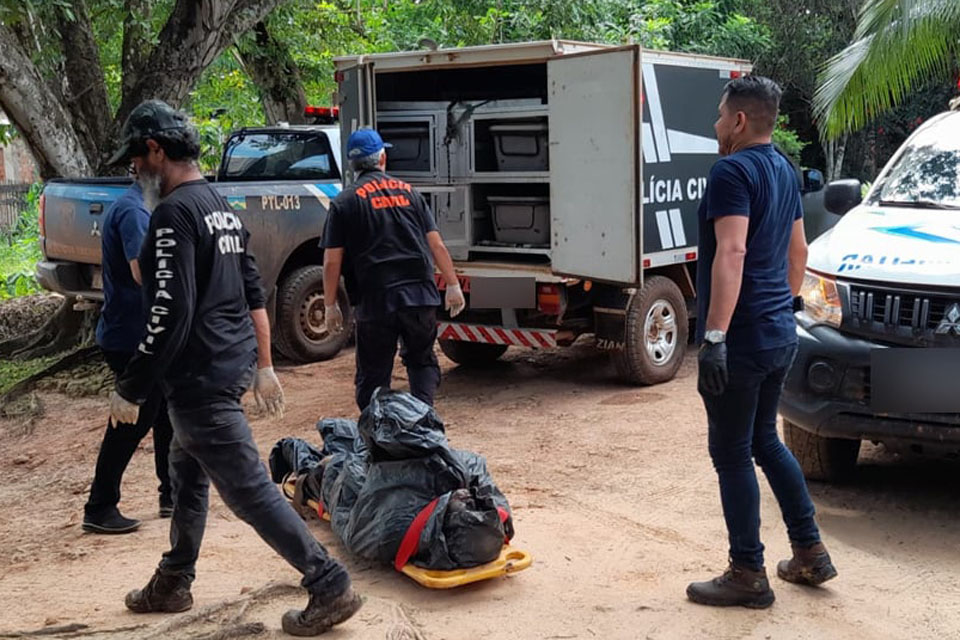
{"points": [[96, 280], [915, 380]]}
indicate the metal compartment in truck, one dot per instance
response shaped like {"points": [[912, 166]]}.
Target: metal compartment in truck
{"points": [[521, 146], [521, 220]]}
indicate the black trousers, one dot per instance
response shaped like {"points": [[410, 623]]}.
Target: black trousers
{"points": [[213, 443], [416, 329], [121, 440]]}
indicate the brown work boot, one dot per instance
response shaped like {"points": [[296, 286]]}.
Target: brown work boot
{"points": [[167, 594], [321, 614], [810, 566], [737, 587]]}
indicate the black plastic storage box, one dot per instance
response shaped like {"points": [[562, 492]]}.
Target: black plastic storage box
{"points": [[521, 146], [411, 151], [520, 219]]}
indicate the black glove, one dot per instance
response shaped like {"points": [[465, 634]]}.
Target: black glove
{"points": [[798, 304], [712, 378]]}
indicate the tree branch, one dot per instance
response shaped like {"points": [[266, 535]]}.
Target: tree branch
{"points": [[195, 34], [276, 75], [136, 44], [37, 112], [87, 99]]}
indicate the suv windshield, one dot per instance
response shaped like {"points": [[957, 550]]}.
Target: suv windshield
{"points": [[279, 156], [928, 171]]}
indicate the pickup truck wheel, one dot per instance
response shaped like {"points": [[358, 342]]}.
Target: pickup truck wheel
{"points": [[301, 333], [656, 334], [821, 458], [471, 353]]}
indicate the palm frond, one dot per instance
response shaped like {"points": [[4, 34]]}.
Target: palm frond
{"points": [[899, 44]]}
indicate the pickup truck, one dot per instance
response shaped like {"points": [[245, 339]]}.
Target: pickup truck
{"points": [[880, 331], [279, 180]]}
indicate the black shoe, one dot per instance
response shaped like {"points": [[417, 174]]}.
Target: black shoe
{"points": [[737, 587], [167, 594], [166, 507], [111, 522], [321, 614]]}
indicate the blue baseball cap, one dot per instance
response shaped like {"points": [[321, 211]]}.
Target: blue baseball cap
{"points": [[365, 142]]}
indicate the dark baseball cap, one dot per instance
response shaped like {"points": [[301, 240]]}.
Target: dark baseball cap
{"points": [[365, 142], [147, 120]]}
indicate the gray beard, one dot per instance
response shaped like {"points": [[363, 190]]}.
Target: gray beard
{"points": [[150, 185]]}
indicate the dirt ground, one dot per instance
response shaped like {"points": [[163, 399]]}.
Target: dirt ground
{"points": [[612, 491]]}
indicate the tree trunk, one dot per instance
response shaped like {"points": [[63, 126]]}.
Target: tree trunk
{"points": [[136, 42], [195, 34], [86, 89], [38, 113], [276, 75]]}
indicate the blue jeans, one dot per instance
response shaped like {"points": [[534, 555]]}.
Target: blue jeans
{"points": [[743, 428], [213, 442]]}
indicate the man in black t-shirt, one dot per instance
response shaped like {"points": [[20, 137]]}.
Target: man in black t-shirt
{"points": [[206, 339], [384, 232]]}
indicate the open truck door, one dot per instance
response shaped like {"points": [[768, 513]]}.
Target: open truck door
{"points": [[595, 164], [357, 99]]}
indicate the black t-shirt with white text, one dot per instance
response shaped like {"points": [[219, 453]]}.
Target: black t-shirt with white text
{"points": [[200, 283]]}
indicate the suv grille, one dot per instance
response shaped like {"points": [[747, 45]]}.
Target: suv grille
{"points": [[910, 317]]}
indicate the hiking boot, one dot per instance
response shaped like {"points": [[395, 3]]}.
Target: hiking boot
{"points": [[166, 507], [110, 522], [167, 594], [737, 587], [810, 566], [321, 614]]}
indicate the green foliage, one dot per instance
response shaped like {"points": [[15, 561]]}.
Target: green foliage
{"points": [[20, 250], [899, 45], [787, 139]]}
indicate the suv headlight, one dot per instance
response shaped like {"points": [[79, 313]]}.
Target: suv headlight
{"points": [[821, 300]]}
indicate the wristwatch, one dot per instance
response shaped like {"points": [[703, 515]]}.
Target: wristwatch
{"points": [[715, 336], [798, 304]]}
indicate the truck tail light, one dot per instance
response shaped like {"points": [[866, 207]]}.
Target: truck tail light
{"points": [[42, 218], [550, 299]]}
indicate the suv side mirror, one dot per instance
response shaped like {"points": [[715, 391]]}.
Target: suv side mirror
{"points": [[812, 180], [841, 196]]}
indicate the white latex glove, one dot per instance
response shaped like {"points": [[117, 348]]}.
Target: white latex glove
{"points": [[268, 392], [334, 318], [122, 410], [454, 302]]}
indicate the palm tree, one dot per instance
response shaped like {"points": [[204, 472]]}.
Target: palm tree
{"points": [[898, 45]]}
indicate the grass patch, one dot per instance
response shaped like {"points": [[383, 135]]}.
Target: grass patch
{"points": [[13, 371]]}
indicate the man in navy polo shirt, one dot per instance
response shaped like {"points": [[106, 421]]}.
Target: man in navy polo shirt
{"points": [[384, 231], [752, 258], [118, 333]]}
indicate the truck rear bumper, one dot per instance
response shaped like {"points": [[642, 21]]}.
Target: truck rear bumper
{"points": [[530, 338], [828, 393], [66, 278]]}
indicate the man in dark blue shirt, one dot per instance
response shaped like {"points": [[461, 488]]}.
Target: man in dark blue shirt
{"points": [[751, 263], [122, 319], [384, 230]]}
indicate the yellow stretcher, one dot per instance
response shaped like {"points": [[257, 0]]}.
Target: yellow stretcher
{"points": [[510, 561]]}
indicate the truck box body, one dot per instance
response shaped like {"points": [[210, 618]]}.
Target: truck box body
{"points": [[562, 176]]}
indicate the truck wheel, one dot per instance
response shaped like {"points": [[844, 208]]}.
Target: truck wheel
{"points": [[821, 458], [301, 334], [655, 339], [471, 353]]}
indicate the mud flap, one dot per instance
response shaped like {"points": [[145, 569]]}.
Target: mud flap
{"points": [[610, 328]]}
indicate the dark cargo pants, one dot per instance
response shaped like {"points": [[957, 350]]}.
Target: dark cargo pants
{"points": [[120, 442], [214, 443], [416, 328]]}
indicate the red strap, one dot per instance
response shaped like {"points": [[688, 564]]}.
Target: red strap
{"points": [[411, 539], [504, 514], [319, 509]]}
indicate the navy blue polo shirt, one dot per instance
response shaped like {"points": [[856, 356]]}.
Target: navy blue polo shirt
{"points": [[382, 223], [757, 182], [123, 316]]}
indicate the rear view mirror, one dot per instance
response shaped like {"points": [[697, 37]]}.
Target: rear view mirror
{"points": [[841, 196], [812, 180]]}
